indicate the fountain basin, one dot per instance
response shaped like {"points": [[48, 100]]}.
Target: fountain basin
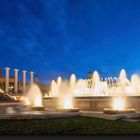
{"points": [[38, 108], [67, 109], [123, 111]]}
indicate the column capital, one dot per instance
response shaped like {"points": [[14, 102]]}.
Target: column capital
{"points": [[16, 69], [24, 71], [7, 68], [31, 72]]}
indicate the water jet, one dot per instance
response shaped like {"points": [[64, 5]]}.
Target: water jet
{"points": [[118, 107]]}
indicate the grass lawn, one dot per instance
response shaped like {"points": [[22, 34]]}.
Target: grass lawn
{"points": [[71, 126]]}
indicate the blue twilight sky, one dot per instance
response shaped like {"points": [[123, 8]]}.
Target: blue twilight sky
{"points": [[60, 37]]}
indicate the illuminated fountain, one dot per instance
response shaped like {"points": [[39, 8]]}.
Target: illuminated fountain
{"points": [[118, 107], [54, 89], [97, 86], [66, 104], [33, 98], [135, 84], [65, 89], [80, 88], [72, 82], [118, 104]]}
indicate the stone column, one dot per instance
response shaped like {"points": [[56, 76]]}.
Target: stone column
{"points": [[31, 78], [24, 80], [7, 80], [16, 81]]}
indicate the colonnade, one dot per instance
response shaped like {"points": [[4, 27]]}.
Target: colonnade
{"points": [[7, 69]]}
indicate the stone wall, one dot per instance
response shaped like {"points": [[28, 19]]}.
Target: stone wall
{"points": [[94, 103]]}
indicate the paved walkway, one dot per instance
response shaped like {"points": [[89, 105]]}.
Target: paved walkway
{"points": [[51, 113], [40, 115], [110, 117]]}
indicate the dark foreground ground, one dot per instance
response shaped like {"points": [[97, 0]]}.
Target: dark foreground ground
{"points": [[70, 126]]}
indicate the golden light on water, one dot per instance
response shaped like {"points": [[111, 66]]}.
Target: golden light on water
{"points": [[118, 103], [37, 101], [67, 103], [26, 101], [33, 97]]}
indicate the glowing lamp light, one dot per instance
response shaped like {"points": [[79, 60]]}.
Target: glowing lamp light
{"points": [[118, 104], [67, 103]]}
